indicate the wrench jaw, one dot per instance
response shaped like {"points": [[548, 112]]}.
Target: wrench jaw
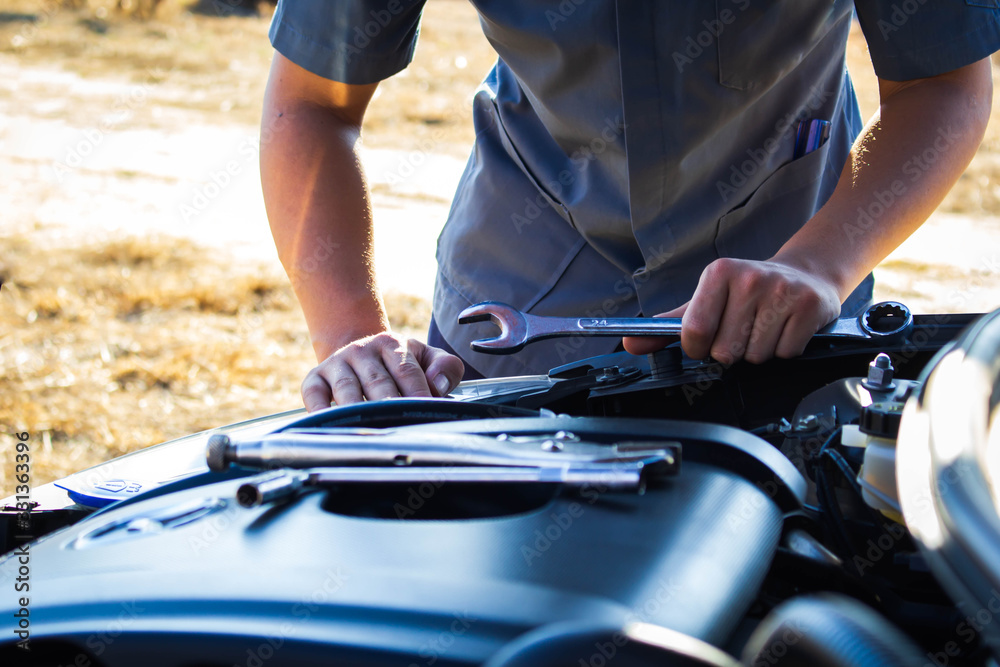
{"points": [[513, 327]]}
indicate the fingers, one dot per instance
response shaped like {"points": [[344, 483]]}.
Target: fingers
{"points": [[316, 394], [704, 316], [648, 344], [765, 332], [752, 318], [754, 315], [730, 343], [375, 367], [443, 371], [397, 372], [381, 366], [752, 310], [806, 319]]}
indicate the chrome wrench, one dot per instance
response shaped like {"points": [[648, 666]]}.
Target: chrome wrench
{"points": [[885, 320]]}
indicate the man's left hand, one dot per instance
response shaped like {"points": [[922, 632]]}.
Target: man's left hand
{"points": [[753, 310]]}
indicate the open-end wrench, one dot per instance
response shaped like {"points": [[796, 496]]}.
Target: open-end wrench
{"points": [[882, 320]]}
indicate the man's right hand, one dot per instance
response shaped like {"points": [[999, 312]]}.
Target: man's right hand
{"points": [[384, 365]]}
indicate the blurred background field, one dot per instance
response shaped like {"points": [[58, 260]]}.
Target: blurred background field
{"points": [[141, 296]]}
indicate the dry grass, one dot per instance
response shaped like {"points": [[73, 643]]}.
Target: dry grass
{"points": [[120, 344], [217, 65], [123, 344]]}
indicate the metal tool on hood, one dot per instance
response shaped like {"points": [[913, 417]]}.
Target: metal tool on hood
{"points": [[885, 320], [314, 457]]}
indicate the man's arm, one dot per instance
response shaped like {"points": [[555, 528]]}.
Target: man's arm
{"points": [[319, 210], [759, 309]]}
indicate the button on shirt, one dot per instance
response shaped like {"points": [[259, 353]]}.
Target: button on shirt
{"points": [[623, 146]]}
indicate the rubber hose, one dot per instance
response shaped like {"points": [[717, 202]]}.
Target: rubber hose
{"points": [[828, 631]]}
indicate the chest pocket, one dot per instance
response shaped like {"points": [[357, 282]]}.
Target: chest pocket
{"points": [[761, 40]]}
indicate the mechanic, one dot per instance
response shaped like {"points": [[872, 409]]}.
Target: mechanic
{"points": [[631, 157]]}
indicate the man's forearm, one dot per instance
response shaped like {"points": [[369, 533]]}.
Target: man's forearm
{"points": [[901, 167], [321, 220], [320, 215]]}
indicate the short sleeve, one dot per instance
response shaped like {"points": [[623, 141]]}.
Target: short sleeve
{"points": [[351, 41], [912, 39]]}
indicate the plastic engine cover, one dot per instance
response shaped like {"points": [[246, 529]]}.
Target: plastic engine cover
{"points": [[193, 578]]}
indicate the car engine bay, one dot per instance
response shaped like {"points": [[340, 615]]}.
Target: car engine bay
{"points": [[621, 510]]}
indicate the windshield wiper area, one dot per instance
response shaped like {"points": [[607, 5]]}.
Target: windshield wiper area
{"points": [[307, 457]]}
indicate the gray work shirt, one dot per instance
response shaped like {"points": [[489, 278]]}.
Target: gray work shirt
{"points": [[621, 146]]}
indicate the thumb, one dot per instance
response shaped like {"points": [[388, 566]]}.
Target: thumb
{"points": [[443, 370], [647, 344], [316, 393]]}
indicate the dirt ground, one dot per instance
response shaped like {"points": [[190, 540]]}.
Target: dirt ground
{"points": [[124, 323]]}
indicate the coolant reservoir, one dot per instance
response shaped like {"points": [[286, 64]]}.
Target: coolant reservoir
{"points": [[877, 435]]}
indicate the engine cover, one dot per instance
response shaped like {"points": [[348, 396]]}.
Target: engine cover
{"points": [[191, 577]]}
